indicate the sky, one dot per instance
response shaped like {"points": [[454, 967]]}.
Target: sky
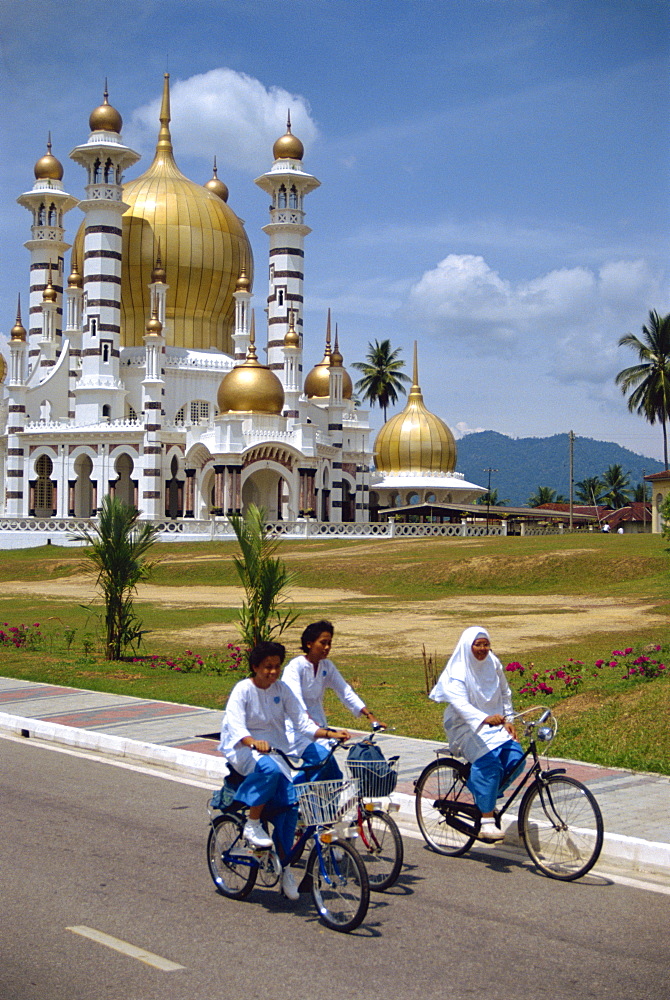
{"points": [[495, 179]]}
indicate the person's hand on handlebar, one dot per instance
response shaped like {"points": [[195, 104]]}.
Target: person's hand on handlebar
{"points": [[341, 735], [262, 746], [500, 720]]}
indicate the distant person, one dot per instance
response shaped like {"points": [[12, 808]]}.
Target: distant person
{"points": [[619, 530], [478, 701], [606, 528], [309, 676]]}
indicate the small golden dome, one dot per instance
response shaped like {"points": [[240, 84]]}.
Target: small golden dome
{"points": [[48, 167], [49, 294], [217, 186], [105, 118], [292, 338], [75, 280], [317, 383], [158, 272], [251, 387], [415, 441], [18, 330], [154, 326], [288, 146], [243, 283]]}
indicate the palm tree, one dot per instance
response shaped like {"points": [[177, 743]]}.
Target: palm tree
{"points": [[382, 376], [544, 495], [491, 499], [264, 577], [616, 492], [117, 549], [589, 490], [649, 382]]}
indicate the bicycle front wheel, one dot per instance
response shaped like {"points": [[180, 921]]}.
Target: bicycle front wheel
{"points": [[231, 865], [380, 847], [445, 809], [561, 826], [340, 887]]}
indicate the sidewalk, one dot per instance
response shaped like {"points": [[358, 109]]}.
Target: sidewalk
{"points": [[635, 806]]}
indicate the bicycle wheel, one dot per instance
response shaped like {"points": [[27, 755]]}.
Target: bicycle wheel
{"points": [[445, 809], [561, 826], [231, 864], [380, 847], [339, 885]]}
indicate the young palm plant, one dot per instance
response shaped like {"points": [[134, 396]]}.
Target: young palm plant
{"points": [[116, 554], [264, 577]]}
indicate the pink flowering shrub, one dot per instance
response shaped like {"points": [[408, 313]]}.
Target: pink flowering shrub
{"points": [[189, 662], [21, 636]]}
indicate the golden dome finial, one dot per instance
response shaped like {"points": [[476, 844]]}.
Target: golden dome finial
{"points": [[243, 284], [49, 294], [158, 272], [336, 358], [105, 118], [251, 350], [75, 279], [317, 383], [18, 331], [288, 146], [48, 167], [216, 185], [292, 338], [164, 138], [154, 326]]}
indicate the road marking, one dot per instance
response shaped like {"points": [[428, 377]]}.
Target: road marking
{"points": [[126, 949]]}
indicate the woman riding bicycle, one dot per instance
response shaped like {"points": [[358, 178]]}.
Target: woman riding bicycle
{"points": [[309, 676], [478, 698], [255, 721]]}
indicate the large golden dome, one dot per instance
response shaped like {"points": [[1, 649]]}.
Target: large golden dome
{"points": [[415, 440], [251, 387], [203, 248]]}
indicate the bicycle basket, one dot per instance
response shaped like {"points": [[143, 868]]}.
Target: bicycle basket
{"points": [[325, 802], [375, 778]]}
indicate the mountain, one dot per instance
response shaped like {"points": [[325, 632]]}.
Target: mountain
{"points": [[524, 464]]}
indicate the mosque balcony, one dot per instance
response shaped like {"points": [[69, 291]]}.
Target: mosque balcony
{"points": [[70, 427]]}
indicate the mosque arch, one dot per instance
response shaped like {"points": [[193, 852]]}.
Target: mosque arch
{"points": [[43, 488]]}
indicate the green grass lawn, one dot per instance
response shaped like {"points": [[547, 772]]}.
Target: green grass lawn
{"points": [[606, 720]]}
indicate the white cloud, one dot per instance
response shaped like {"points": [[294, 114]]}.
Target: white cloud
{"points": [[569, 319], [462, 429], [226, 114]]}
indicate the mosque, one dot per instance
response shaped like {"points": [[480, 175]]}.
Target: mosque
{"points": [[139, 374]]}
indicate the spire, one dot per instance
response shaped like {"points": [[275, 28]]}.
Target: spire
{"points": [[164, 143], [251, 352], [18, 330], [415, 390], [336, 358], [328, 336], [49, 292]]}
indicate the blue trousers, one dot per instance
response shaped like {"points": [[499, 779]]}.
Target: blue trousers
{"points": [[267, 785], [314, 753], [492, 773]]}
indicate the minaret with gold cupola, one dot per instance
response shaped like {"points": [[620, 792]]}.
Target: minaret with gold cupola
{"points": [[15, 498], [100, 393], [287, 183], [48, 201]]}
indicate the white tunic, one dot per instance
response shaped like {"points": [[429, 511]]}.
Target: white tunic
{"points": [[261, 713], [309, 687], [473, 690]]}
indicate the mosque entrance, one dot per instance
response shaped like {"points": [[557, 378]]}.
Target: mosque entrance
{"points": [[268, 489]]}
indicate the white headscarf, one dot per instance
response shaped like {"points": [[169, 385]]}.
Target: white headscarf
{"points": [[481, 678]]}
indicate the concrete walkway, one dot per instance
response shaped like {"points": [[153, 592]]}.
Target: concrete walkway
{"points": [[635, 806]]}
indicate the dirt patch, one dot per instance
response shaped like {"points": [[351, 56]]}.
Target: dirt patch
{"points": [[398, 628]]}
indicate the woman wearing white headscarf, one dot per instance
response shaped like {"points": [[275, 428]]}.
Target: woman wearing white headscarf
{"points": [[478, 699]]}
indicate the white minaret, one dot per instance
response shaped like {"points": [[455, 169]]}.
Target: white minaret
{"points": [[287, 184], [151, 489], [15, 493], [242, 296], [48, 201], [100, 393]]}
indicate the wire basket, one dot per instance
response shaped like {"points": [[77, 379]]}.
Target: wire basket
{"points": [[326, 802], [375, 779]]}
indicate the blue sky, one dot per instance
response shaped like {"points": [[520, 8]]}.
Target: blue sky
{"points": [[495, 173]]}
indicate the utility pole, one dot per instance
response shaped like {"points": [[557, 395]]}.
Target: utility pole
{"points": [[488, 498], [571, 438]]}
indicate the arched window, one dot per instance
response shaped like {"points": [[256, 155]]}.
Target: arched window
{"points": [[96, 172], [109, 172], [44, 491], [430, 498], [53, 217], [105, 352], [293, 197], [281, 197], [197, 410], [106, 411], [41, 215], [413, 498]]}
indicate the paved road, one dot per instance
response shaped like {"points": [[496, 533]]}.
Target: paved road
{"points": [[95, 843]]}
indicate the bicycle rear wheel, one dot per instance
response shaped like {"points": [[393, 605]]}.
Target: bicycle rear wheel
{"points": [[445, 809], [380, 847], [231, 865], [561, 826], [339, 884]]}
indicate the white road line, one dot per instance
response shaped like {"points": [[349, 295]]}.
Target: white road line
{"points": [[126, 949]]}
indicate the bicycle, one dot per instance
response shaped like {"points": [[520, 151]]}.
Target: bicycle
{"points": [[334, 874], [379, 840], [559, 819]]}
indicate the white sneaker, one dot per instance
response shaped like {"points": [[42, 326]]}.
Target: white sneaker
{"points": [[490, 832], [288, 886], [255, 834]]}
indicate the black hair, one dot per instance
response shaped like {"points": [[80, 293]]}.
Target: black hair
{"points": [[263, 649], [313, 631]]}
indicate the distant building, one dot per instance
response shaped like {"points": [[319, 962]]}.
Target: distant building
{"points": [[660, 488]]}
